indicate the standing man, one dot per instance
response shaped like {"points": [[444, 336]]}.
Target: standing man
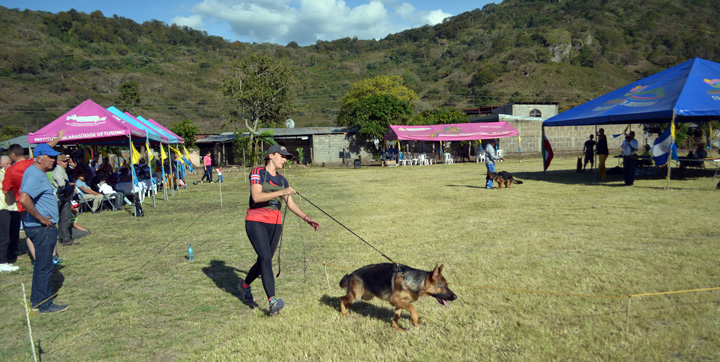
{"points": [[65, 192], [629, 146], [8, 211], [589, 154], [11, 188], [38, 198], [490, 158], [602, 151]]}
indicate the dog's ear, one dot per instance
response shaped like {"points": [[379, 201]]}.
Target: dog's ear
{"points": [[437, 271]]}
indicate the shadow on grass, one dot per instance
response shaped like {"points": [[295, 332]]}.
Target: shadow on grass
{"points": [[468, 186], [364, 309], [614, 174], [57, 279], [226, 278]]}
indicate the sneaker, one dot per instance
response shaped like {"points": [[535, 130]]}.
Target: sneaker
{"points": [[57, 260], [7, 267], [247, 296], [54, 308], [275, 305]]}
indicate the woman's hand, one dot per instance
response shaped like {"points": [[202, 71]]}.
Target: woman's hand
{"points": [[288, 192], [315, 225]]}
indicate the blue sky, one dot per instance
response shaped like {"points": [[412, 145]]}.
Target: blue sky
{"points": [[274, 21]]}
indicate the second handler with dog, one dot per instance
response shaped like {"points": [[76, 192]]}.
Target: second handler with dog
{"points": [[264, 224]]}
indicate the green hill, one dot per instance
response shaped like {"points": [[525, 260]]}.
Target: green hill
{"points": [[524, 51]]}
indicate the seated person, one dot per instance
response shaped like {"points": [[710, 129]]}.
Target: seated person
{"points": [[125, 175], [77, 231], [142, 170], [646, 159], [699, 154], [106, 189], [87, 192], [106, 166]]}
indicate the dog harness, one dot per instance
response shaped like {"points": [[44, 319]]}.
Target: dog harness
{"points": [[269, 211]]}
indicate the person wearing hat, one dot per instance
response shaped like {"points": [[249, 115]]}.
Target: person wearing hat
{"points": [[490, 158], [38, 198], [264, 224], [65, 190]]}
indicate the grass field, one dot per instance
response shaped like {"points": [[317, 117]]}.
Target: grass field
{"points": [[542, 271]]}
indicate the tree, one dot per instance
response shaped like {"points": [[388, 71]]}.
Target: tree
{"points": [[261, 91], [129, 96], [380, 85], [187, 130], [8, 132], [443, 115], [373, 115]]}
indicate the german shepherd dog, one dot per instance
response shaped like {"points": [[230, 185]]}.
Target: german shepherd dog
{"points": [[398, 284], [504, 177]]}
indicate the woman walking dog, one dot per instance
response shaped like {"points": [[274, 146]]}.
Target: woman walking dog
{"points": [[263, 222]]}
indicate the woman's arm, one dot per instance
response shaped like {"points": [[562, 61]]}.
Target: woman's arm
{"points": [[259, 196], [296, 210]]}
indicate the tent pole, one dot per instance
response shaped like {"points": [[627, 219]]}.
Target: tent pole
{"points": [[595, 173], [672, 134]]}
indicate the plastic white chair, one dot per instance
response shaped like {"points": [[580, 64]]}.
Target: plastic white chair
{"points": [[448, 159], [404, 158], [480, 158], [423, 160]]}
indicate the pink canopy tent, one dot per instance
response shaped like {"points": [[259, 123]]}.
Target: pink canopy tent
{"points": [[88, 123], [451, 132]]}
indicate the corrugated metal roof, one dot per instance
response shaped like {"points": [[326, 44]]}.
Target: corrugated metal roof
{"points": [[280, 132]]}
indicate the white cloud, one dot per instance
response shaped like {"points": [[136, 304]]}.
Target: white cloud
{"points": [[193, 21], [306, 21]]}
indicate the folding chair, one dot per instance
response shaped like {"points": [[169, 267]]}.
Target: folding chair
{"points": [[108, 199], [82, 201]]}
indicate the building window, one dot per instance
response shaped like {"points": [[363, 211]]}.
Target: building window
{"points": [[535, 113]]}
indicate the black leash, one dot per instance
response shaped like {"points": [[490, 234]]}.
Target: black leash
{"points": [[281, 237], [346, 228]]}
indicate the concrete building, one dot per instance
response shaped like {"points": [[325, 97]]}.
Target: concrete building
{"points": [[528, 118], [319, 145]]}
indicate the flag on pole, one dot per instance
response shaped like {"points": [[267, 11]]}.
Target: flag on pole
{"points": [[519, 149], [163, 155], [135, 154], [151, 156], [664, 147], [547, 151], [187, 154]]}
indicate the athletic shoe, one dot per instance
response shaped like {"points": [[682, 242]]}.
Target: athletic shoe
{"points": [[276, 305], [247, 296], [7, 267], [54, 308]]}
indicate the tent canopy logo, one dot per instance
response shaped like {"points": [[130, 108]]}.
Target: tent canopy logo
{"points": [[84, 121], [638, 96], [453, 129], [715, 83]]}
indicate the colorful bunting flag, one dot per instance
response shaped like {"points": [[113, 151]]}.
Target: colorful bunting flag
{"points": [[547, 151]]}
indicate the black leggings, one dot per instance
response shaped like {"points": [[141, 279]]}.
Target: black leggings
{"points": [[264, 239], [208, 174]]}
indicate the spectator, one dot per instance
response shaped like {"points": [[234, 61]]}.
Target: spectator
{"points": [[8, 210], [108, 191], [77, 231], [65, 191], [38, 199], [589, 154], [106, 166], [11, 189], [88, 193], [220, 176], [629, 148], [602, 151], [207, 161]]}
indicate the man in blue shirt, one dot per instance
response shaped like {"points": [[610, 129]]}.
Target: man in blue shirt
{"points": [[38, 198]]}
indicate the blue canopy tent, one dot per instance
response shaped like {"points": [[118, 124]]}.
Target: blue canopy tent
{"points": [[686, 92]]}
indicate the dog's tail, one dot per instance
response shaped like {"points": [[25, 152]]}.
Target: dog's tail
{"points": [[344, 281], [516, 181]]}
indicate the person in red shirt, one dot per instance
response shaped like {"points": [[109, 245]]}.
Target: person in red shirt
{"points": [[12, 183], [264, 224]]}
